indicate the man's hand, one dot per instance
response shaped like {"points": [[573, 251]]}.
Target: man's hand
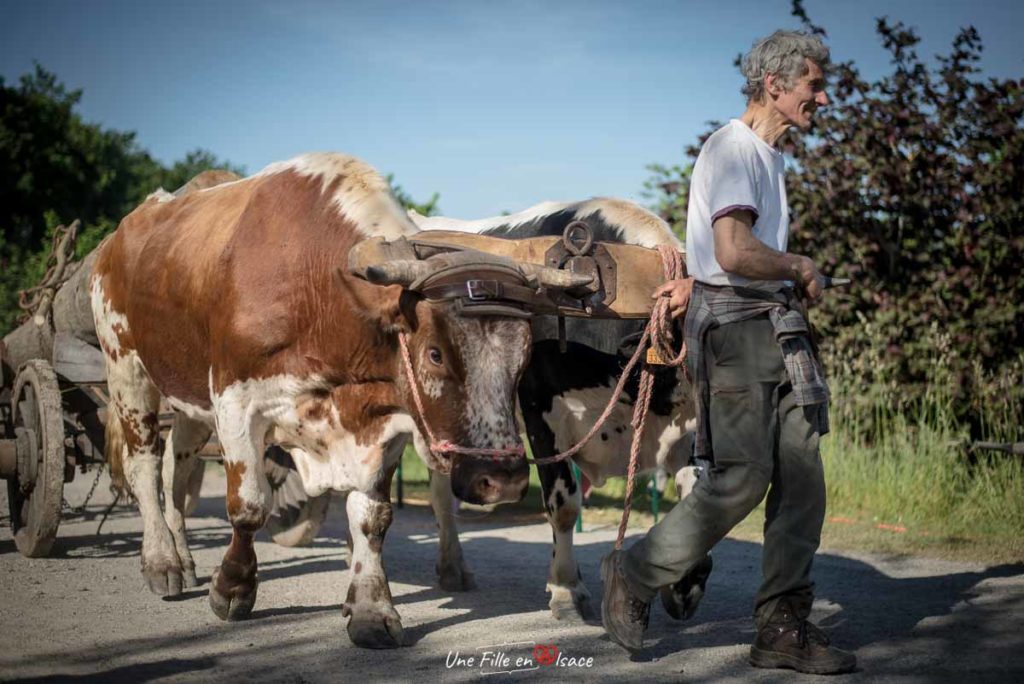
{"points": [[678, 293], [809, 277]]}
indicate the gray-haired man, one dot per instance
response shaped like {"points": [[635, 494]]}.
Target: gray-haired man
{"points": [[761, 399]]}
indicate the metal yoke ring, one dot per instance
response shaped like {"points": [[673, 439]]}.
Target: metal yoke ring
{"points": [[569, 235]]}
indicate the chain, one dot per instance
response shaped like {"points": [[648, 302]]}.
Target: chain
{"points": [[80, 510]]}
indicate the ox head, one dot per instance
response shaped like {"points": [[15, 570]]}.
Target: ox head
{"points": [[466, 322]]}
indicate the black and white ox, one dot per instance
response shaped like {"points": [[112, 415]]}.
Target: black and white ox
{"points": [[236, 304], [561, 395]]}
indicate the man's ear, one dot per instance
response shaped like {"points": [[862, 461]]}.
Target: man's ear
{"points": [[772, 85]]}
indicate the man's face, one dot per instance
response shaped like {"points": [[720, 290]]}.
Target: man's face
{"points": [[800, 102]]}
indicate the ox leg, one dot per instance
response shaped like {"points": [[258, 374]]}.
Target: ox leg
{"points": [[136, 402], [570, 598], [193, 487], [180, 463], [374, 621], [452, 572], [233, 585]]}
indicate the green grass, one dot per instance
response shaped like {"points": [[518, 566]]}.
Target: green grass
{"points": [[916, 479]]}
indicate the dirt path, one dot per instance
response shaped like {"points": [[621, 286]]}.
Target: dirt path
{"points": [[84, 612]]}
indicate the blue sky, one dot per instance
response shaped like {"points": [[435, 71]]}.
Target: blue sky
{"points": [[496, 105]]}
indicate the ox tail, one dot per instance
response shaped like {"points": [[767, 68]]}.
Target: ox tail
{"points": [[114, 452]]}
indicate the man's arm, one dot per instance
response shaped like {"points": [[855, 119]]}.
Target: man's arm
{"points": [[739, 252]]}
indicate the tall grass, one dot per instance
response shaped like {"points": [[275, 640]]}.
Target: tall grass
{"points": [[903, 455]]}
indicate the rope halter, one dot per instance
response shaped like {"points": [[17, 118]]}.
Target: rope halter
{"points": [[442, 450]]}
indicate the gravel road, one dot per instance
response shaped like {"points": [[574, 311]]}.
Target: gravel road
{"points": [[84, 613]]}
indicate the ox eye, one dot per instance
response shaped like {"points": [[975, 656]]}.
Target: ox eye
{"points": [[434, 354]]}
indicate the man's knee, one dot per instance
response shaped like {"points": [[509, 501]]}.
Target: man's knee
{"points": [[736, 488]]}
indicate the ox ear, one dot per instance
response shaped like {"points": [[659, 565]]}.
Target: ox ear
{"points": [[393, 308]]}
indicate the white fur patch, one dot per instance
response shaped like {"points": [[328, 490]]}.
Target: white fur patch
{"points": [[607, 453], [639, 226], [160, 195], [254, 412], [686, 479], [193, 412], [498, 350], [433, 386], [364, 196], [106, 319], [348, 465]]}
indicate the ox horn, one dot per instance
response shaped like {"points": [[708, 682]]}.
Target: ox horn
{"points": [[537, 274], [402, 272], [555, 278]]}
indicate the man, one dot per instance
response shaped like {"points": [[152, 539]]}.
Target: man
{"points": [[761, 398]]}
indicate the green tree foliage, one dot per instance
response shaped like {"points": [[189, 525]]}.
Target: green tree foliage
{"points": [[912, 185], [428, 208], [56, 168]]}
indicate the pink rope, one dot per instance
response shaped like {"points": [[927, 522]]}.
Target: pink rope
{"points": [[439, 447], [658, 332], [661, 336]]}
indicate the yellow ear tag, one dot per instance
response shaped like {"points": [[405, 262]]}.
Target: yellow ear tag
{"points": [[654, 357]]}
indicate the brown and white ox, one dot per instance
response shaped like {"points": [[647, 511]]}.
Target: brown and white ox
{"points": [[235, 304], [561, 395]]}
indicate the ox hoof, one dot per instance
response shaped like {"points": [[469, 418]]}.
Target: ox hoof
{"points": [[681, 599], [571, 603], [235, 604], [455, 578], [188, 576], [163, 579], [373, 627]]}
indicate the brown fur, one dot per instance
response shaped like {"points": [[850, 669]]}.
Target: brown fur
{"points": [[264, 296], [206, 179], [248, 280], [259, 299], [237, 576], [234, 472]]}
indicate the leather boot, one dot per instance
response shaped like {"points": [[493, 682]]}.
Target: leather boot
{"points": [[624, 616], [681, 599], [789, 641]]}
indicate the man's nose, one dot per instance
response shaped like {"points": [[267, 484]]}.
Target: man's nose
{"points": [[821, 99]]}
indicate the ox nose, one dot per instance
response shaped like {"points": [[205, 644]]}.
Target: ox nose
{"points": [[488, 482]]}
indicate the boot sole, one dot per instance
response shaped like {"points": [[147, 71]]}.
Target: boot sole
{"points": [[774, 660], [606, 567]]}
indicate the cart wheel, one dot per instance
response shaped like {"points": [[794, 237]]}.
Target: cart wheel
{"points": [[295, 518], [35, 494], [298, 526]]}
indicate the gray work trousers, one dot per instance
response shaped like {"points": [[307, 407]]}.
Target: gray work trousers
{"points": [[762, 441]]}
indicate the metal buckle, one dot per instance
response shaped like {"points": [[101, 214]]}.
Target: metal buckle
{"points": [[475, 291]]}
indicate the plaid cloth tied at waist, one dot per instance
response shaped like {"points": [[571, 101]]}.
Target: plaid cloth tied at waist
{"points": [[715, 305]]}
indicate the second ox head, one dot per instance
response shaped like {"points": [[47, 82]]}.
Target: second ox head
{"points": [[466, 362]]}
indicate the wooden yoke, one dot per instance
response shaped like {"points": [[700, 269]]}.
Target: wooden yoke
{"points": [[625, 275]]}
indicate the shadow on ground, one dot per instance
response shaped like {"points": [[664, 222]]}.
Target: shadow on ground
{"points": [[901, 622]]}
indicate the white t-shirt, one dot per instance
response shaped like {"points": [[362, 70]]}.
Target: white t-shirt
{"points": [[735, 170]]}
